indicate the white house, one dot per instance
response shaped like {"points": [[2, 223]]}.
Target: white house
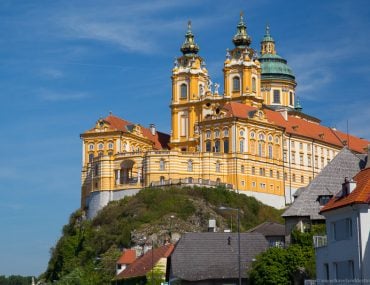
{"points": [[344, 254]]}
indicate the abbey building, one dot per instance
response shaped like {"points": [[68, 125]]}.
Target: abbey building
{"points": [[253, 137]]}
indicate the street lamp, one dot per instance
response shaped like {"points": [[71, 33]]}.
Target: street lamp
{"points": [[222, 208]]}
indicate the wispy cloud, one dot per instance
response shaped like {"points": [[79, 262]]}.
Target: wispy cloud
{"points": [[54, 96], [51, 73]]}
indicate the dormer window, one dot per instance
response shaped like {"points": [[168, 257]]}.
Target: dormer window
{"points": [[236, 83], [324, 199]]}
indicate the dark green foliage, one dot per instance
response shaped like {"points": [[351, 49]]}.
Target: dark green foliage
{"points": [[88, 250], [15, 280], [284, 266]]}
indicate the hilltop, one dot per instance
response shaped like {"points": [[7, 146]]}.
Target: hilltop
{"points": [[87, 250]]}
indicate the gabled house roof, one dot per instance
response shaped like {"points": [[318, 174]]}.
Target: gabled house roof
{"points": [[327, 182], [296, 124], [204, 256], [160, 140], [269, 229], [145, 263], [128, 256], [360, 195]]}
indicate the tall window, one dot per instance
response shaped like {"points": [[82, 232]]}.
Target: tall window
{"points": [[254, 88], [260, 149], [217, 146], [161, 165], [291, 98], [276, 98], [190, 165], [208, 146], [183, 91], [270, 151], [253, 170], [236, 83], [242, 168], [91, 157], [226, 146], [241, 145]]}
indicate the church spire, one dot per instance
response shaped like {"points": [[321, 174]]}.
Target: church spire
{"points": [[189, 47], [267, 43], [241, 38]]}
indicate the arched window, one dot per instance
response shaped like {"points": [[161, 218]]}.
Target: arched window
{"points": [[100, 146], [254, 88], [162, 165], [91, 146], [110, 145], [208, 146], [218, 166], [190, 165], [183, 91], [91, 157], [217, 146], [241, 146], [236, 83], [226, 132], [208, 134], [217, 133]]}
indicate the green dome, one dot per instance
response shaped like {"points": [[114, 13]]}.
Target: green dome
{"points": [[275, 67]]}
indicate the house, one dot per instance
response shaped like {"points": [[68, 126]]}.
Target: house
{"points": [[212, 258], [344, 254], [152, 265], [310, 199], [128, 256], [273, 232]]}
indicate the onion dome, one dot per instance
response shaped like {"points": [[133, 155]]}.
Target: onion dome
{"points": [[241, 38], [189, 47], [273, 66]]}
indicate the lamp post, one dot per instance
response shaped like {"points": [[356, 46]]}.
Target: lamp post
{"points": [[222, 208]]}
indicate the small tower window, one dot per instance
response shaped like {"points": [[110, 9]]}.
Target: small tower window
{"points": [[183, 91], [236, 83], [291, 99], [254, 84], [276, 98]]}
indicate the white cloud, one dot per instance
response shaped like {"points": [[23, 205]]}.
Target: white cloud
{"points": [[53, 96]]}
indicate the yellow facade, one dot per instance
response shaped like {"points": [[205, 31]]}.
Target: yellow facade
{"points": [[243, 138]]}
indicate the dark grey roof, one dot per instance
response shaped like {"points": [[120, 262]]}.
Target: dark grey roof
{"points": [[327, 182], [269, 229], [202, 256]]}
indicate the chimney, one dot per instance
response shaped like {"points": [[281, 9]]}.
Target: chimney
{"points": [[348, 186], [368, 157], [152, 129]]}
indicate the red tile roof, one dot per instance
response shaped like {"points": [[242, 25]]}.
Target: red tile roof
{"points": [[128, 256], [142, 265], [300, 127], [360, 195], [160, 140]]}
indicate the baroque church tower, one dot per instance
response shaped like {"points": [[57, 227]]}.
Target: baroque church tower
{"points": [[190, 83]]}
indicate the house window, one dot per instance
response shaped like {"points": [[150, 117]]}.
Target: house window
{"points": [[253, 184], [300, 145], [208, 134], [254, 88], [161, 165], [226, 146], [293, 157], [344, 270], [243, 182], [276, 98], [217, 133], [259, 149], [91, 147], [100, 146], [208, 146], [301, 159], [242, 168], [302, 179], [184, 126], [285, 176], [110, 145], [277, 175], [252, 135], [183, 91], [324, 199], [284, 156], [293, 177], [190, 165], [253, 170], [226, 132], [271, 173], [262, 171], [262, 185], [236, 83], [341, 229], [309, 160]]}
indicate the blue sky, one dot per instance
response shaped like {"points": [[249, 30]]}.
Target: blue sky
{"points": [[63, 64]]}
